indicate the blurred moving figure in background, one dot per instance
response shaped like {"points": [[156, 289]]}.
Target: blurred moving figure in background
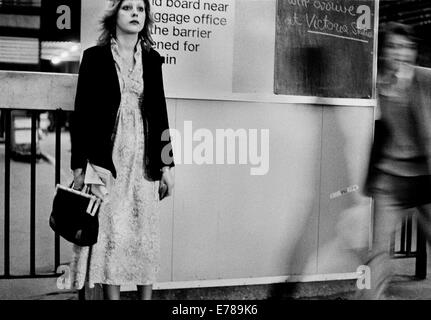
{"points": [[399, 176]]}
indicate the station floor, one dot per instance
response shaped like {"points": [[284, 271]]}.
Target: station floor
{"points": [[403, 287]]}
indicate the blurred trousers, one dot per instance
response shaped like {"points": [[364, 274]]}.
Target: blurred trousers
{"points": [[394, 196]]}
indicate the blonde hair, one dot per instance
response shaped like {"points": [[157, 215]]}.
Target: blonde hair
{"points": [[108, 24]]}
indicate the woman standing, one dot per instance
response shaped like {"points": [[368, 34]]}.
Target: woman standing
{"points": [[120, 116]]}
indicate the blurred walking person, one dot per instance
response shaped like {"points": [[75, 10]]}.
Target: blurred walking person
{"points": [[399, 175]]}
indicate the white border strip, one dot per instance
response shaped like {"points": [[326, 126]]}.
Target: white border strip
{"points": [[376, 36], [272, 98], [248, 281]]}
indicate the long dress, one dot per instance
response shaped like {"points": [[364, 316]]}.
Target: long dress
{"points": [[128, 247]]}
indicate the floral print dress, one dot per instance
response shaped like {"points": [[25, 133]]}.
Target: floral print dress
{"points": [[128, 247]]}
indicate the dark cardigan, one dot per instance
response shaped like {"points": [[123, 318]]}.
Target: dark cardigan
{"points": [[420, 104], [96, 104]]}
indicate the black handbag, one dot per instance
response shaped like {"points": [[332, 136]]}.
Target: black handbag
{"points": [[74, 215]]}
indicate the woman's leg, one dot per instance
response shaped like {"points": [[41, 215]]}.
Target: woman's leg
{"points": [[111, 292], [387, 214], [145, 292]]}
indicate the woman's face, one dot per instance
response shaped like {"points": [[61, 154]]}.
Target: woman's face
{"points": [[131, 16]]}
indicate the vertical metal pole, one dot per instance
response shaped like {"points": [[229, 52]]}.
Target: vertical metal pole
{"points": [[409, 234], [403, 237], [8, 133], [33, 194], [57, 178], [421, 255], [81, 294], [376, 39]]}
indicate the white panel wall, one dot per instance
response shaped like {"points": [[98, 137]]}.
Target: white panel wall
{"points": [[347, 133], [229, 224]]}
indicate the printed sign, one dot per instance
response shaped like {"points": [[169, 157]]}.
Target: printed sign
{"points": [[196, 40]]}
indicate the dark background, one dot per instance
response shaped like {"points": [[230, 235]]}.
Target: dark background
{"points": [[413, 12]]}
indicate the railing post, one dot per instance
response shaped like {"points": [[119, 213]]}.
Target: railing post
{"points": [[421, 255], [33, 193], [81, 294], [57, 114], [403, 237], [409, 233], [8, 133]]}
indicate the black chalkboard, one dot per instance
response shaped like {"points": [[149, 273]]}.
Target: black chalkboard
{"points": [[321, 52]]}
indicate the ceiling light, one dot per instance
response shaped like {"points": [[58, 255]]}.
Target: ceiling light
{"points": [[74, 48], [55, 60]]}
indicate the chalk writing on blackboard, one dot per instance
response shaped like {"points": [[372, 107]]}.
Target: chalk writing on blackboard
{"points": [[324, 47], [332, 19]]}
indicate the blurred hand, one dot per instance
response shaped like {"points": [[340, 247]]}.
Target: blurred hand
{"points": [[167, 181], [78, 179]]}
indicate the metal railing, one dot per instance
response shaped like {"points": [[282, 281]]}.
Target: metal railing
{"points": [[8, 132], [34, 93], [405, 250]]}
